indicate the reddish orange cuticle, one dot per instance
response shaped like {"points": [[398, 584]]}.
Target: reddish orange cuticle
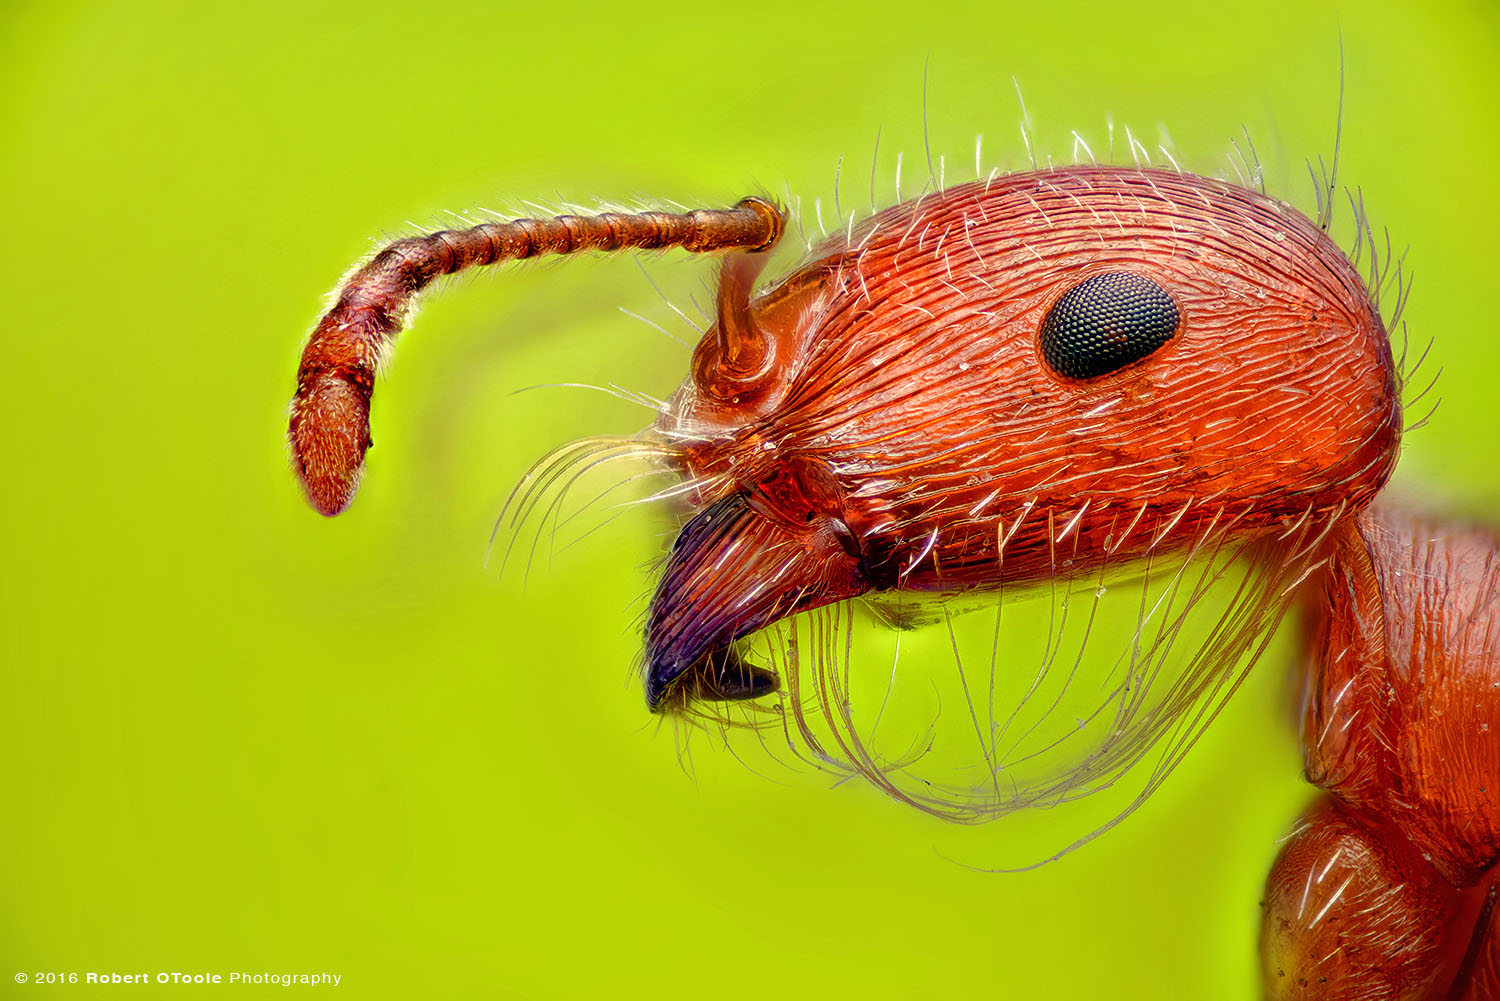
{"points": [[884, 417]]}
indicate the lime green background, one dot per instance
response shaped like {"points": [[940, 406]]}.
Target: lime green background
{"points": [[237, 736]]}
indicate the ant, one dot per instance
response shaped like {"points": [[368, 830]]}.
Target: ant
{"points": [[1056, 380]]}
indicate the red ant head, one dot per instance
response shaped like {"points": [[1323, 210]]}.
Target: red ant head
{"points": [[1013, 381]]}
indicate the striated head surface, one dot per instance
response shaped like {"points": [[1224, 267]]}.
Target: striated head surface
{"points": [[1012, 381]]}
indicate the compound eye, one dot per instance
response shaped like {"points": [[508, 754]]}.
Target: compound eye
{"points": [[1106, 322]]}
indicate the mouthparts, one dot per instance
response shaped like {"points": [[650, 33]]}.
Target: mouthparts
{"points": [[731, 571]]}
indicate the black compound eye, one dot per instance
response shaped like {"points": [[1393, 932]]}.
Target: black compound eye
{"points": [[1105, 323]]}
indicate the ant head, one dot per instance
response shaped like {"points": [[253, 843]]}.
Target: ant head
{"points": [[1058, 369]]}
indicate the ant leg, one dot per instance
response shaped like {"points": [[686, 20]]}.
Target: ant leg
{"points": [[329, 428]]}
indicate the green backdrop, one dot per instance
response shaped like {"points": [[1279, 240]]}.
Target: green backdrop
{"points": [[239, 737]]}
